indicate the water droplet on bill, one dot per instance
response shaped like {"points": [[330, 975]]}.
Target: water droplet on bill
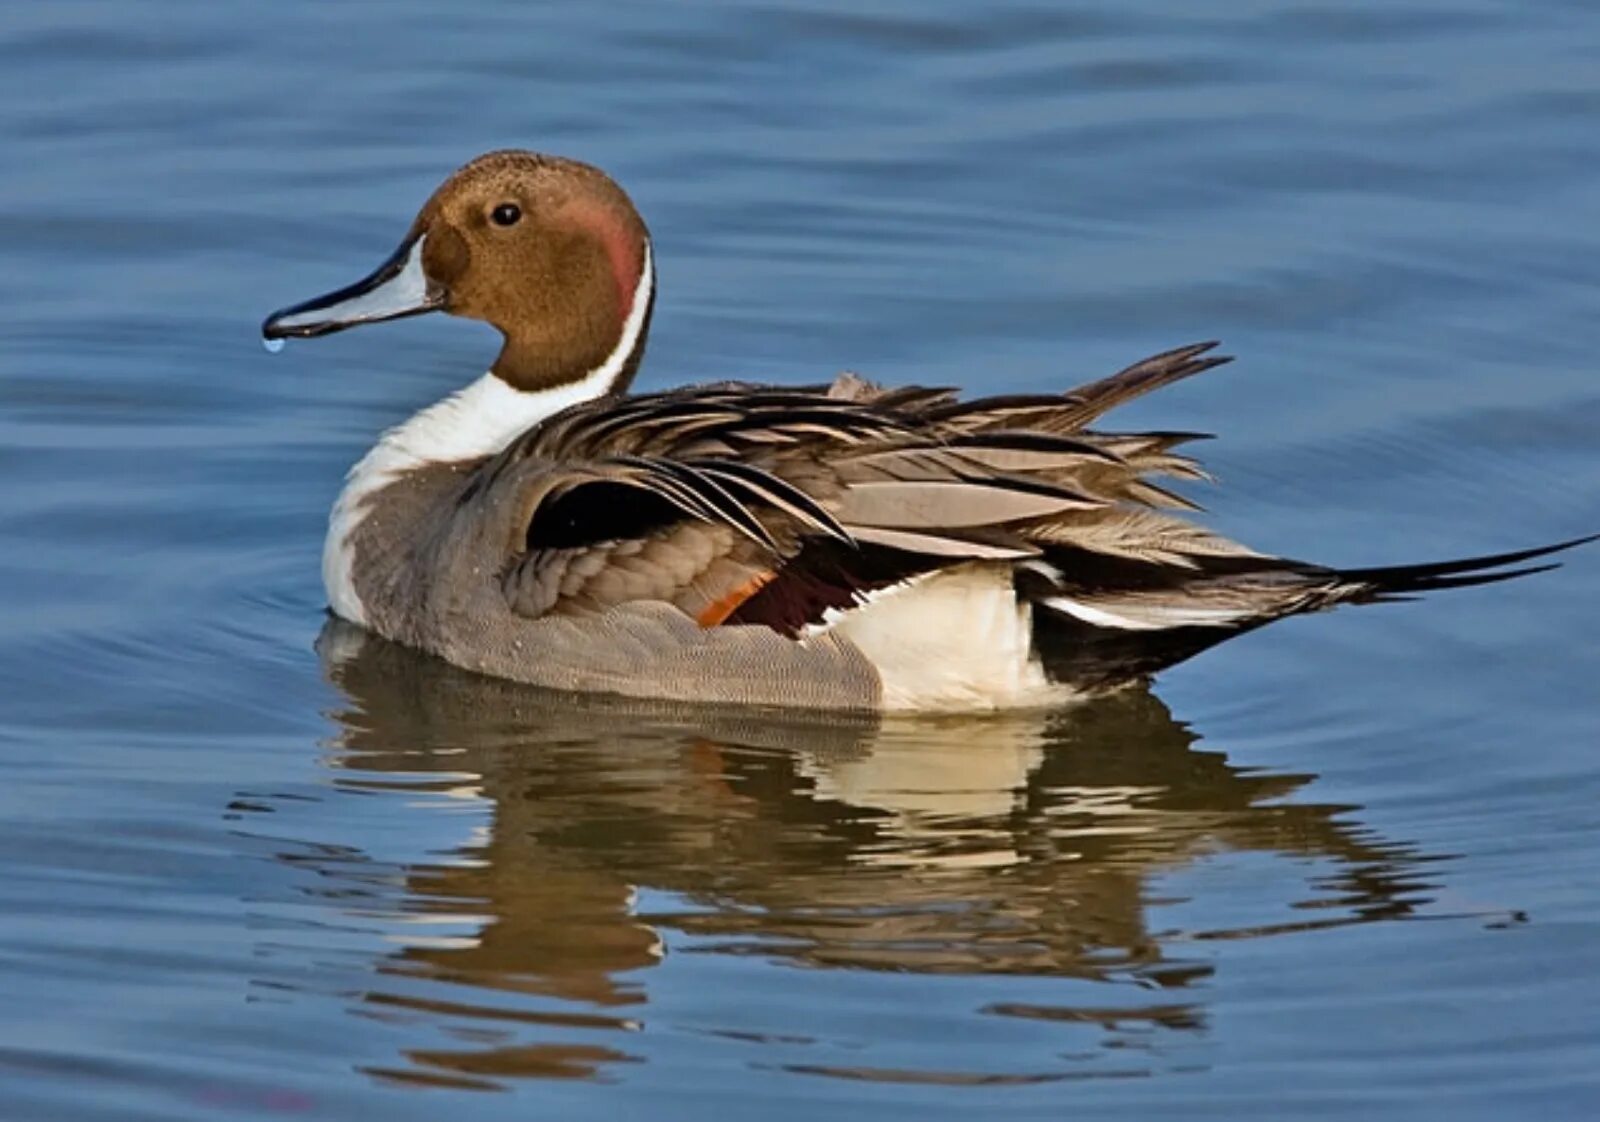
{"points": [[273, 345]]}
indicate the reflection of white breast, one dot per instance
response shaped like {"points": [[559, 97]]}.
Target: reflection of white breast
{"points": [[938, 788]]}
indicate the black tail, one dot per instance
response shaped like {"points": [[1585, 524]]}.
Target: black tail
{"points": [[1098, 654], [1405, 582]]}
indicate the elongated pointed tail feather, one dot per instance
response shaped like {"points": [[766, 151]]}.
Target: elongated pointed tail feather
{"points": [[1100, 631], [1400, 582]]}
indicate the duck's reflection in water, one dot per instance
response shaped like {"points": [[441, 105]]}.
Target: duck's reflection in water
{"points": [[1013, 845]]}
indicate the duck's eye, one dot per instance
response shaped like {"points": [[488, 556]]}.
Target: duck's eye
{"points": [[506, 214]]}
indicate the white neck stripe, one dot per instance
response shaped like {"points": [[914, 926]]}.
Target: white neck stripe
{"points": [[487, 415]]}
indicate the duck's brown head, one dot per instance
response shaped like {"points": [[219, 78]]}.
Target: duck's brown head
{"points": [[549, 251]]}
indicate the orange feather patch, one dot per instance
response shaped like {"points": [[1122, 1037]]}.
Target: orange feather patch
{"points": [[720, 609]]}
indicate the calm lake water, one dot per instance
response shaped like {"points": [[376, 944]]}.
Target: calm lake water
{"points": [[1348, 867]]}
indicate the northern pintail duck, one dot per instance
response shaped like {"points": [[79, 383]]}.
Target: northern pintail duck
{"points": [[836, 545]]}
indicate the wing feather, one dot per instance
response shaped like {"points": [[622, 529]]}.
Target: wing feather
{"points": [[915, 477]]}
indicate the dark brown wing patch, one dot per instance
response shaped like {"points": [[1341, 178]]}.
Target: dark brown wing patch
{"points": [[823, 575]]}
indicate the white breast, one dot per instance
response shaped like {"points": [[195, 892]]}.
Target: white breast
{"points": [[478, 421]]}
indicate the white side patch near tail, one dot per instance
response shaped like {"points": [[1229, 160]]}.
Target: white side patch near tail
{"points": [[1144, 617], [958, 639]]}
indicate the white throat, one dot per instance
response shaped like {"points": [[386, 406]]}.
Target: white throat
{"points": [[474, 422]]}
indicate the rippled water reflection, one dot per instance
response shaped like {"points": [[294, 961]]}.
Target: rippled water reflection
{"points": [[608, 852]]}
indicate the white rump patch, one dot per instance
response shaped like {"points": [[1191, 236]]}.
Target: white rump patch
{"points": [[953, 640], [1145, 617]]}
